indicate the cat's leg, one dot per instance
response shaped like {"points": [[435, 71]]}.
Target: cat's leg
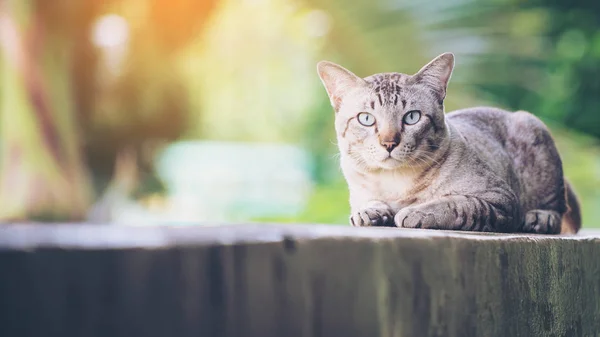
{"points": [[374, 213], [538, 165], [459, 212]]}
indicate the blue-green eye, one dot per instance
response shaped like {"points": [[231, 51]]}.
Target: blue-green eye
{"points": [[412, 117], [366, 119]]}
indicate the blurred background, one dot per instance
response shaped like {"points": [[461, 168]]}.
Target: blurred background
{"points": [[182, 111]]}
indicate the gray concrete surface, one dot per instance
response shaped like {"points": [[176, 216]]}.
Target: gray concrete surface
{"points": [[294, 280]]}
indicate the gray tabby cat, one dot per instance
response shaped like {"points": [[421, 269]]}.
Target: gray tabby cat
{"points": [[409, 165]]}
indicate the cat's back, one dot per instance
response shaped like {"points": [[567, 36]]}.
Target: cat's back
{"points": [[496, 127], [484, 130], [491, 123]]}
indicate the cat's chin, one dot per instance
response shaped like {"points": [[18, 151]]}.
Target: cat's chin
{"points": [[390, 164]]}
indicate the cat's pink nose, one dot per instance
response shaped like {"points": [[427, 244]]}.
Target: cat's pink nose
{"points": [[389, 145]]}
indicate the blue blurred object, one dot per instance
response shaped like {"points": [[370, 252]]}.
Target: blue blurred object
{"points": [[228, 181]]}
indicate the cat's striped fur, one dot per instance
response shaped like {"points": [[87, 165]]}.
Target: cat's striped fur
{"points": [[479, 169]]}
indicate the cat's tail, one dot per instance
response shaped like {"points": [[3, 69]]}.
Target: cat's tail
{"points": [[571, 221]]}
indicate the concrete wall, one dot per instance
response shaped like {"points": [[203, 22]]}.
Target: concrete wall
{"points": [[294, 281]]}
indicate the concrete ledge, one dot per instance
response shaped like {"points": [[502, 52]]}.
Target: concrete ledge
{"points": [[251, 280]]}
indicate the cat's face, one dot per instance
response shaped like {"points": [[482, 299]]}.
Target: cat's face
{"points": [[390, 120]]}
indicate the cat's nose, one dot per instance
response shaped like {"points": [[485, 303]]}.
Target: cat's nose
{"points": [[389, 138], [390, 146]]}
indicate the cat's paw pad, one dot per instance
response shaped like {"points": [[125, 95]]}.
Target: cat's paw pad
{"points": [[372, 217], [411, 218], [542, 222]]}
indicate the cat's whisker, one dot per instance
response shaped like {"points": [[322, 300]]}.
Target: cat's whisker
{"points": [[421, 162], [412, 168], [428, 160], [359, 161], [427, 157]]}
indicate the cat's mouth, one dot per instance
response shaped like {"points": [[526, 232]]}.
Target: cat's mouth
{"points": [[390, 162]]}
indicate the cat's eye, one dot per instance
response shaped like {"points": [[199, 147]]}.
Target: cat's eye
{"points": [[412, 117], [366, 119]]}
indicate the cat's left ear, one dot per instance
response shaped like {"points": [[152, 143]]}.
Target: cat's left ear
{"points": [[437, 73], [337, 81]]}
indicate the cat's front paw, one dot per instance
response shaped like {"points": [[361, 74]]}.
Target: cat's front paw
{"points": [[412, 217], [373, 216]]}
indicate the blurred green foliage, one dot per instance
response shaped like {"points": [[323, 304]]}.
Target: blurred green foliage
{"points": [[547, 61]]}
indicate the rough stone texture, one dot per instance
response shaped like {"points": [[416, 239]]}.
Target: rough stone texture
{"points": [[281, 281]]}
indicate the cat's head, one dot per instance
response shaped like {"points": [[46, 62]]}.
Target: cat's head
{"points": [[389, 120]]}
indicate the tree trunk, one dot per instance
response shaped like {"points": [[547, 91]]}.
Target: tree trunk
{"points": [[42, 174]]}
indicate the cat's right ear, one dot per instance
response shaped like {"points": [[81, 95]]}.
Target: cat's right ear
{"points": [[437, 73], [337, 81]]}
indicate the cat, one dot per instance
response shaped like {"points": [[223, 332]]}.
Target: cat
{"points": [[408, 164]]}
